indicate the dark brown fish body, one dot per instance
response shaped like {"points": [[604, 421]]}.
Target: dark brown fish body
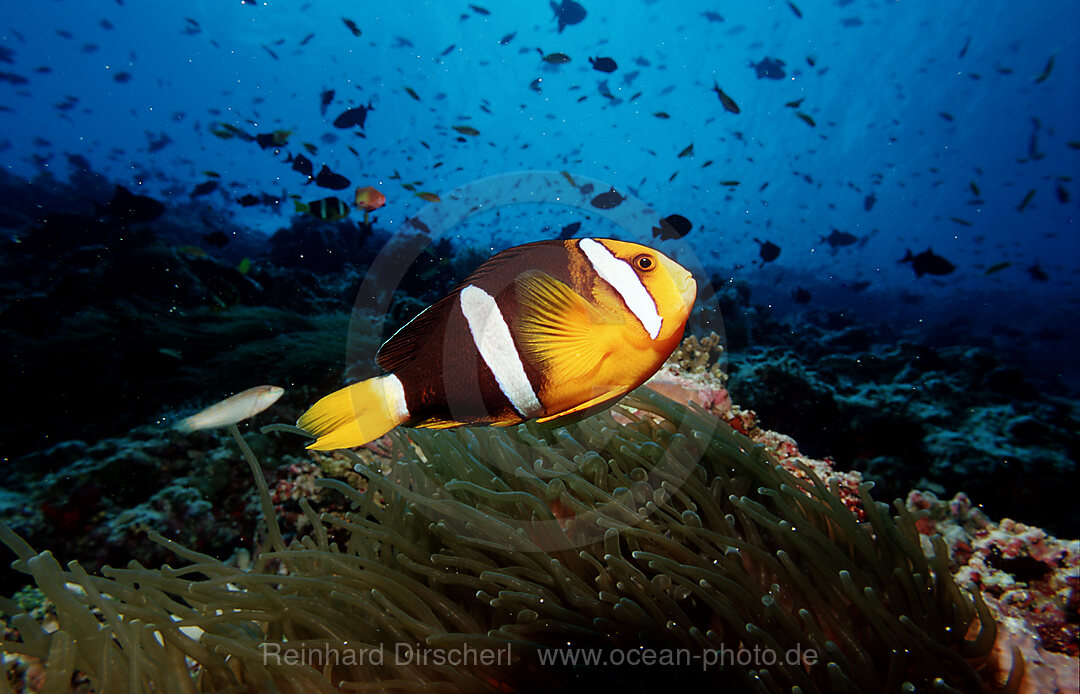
{"points": [[608, 200], [354, 117], [769, 251], [727, 101], [301, 164], [674, 226], [603, 64], [128, 207], [331, 180], [928, 263], [567, 12]]}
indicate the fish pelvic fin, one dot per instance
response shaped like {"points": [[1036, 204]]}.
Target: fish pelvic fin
{"points": [[355, 414]]}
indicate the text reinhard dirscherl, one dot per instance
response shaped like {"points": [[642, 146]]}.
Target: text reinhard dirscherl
{"points": [[466, 655]]}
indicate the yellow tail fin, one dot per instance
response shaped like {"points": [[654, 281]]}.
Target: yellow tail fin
{"points": [[352, 416]]}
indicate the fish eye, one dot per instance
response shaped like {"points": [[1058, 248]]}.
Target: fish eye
{"points": [[644, 262]]}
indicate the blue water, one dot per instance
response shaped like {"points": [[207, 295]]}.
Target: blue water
{"points": [[899, 114]]}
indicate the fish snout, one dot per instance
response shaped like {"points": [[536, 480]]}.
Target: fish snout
{"points": [[688, 289]]}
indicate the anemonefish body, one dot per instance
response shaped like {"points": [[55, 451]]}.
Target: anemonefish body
{"points": [[540, 331]]}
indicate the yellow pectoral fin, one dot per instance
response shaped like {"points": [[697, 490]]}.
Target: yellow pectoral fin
{"points": [[559, 332]]}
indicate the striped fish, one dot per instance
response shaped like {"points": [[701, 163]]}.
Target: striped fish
{"points": [[540, 331]]}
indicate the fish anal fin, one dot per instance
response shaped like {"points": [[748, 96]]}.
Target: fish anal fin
{"points": [[585, 409]]}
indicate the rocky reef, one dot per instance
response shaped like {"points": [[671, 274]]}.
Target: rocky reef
{"points": [[908, 415]]}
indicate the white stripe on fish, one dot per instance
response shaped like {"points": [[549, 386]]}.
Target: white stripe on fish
{"points": [[491, 335], [622, 277]]}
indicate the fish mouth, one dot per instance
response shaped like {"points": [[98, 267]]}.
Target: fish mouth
{"points": [[688, 289]]}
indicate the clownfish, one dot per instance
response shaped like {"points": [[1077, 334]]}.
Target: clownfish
{"points": [[541, 331]]}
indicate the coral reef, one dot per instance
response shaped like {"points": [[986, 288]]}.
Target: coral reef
{"points": [[1030, 580], [669, 531], [948, 420]]}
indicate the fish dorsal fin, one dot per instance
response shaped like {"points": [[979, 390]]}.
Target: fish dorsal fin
{"points": [[403, 345], [559, 332]]}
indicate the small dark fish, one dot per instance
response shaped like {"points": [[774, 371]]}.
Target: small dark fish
{"points": [[769, 251], [248, 200], [467, 130], [217, 239], [794, 9], [278, 138], [419, 225], [328, 179], [354, 117], [535, 85], [1027, 200], [446, 51], [964, 50], [554, 58], [608, 200], [961, 222], [1062, 194], [840, 239], [688, 151], [122, 77], [997, 267], [569, 230], [508, 38], [159, 143], [928, 263], [133, 209], [204, 188], [304, 41], [662, 114], [302, 164], [1037, 273], [568, 12], [796, 103], [769, 68], [947, 116], [674, 226], [1046, 71], [413, 94], [351, 25], [270, 51], [325, 99], [869, 201], [806, 119], [975, 189], [479, 10], [586, 189], [727, 101], [603, 64], [12, 78], [712, 17], [801, 296]]}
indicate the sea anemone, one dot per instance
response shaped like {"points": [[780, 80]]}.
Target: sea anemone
{"points": [[660, 542]]}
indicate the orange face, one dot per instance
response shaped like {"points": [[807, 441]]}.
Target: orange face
{"points": [[369, 199]]}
